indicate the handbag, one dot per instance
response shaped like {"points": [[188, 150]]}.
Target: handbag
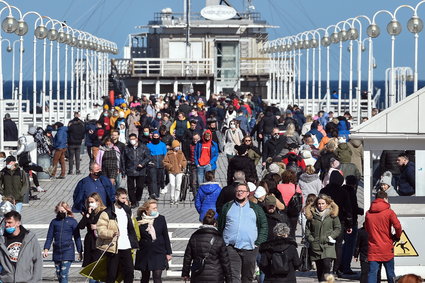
{"points": [[295, 204], [305, 260], [198, 264]]}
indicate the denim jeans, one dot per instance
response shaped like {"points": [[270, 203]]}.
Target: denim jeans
{"points": [[62, 270], [348, 250], [374, 268], [18, 207], [201, 170]]}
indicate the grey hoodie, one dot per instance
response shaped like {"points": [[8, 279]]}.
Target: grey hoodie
{"points": [[29, 266], [309, 184]]}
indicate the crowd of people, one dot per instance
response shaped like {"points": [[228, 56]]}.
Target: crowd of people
{"points": [[284, 169]]}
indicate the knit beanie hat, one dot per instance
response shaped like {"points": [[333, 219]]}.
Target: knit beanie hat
{"points": [[386, 178], [175, 144], [274, 168]]}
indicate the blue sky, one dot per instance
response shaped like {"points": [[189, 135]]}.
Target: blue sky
{"points": [[115, 19]]}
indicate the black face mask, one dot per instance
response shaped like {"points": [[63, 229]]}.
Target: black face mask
{"points": [[155, 140], [61, 215], [120, 203], [97, 174], [276, 136]]}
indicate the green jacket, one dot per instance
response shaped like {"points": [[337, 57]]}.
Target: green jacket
{"points": [[14, 183], [262, 226], [254, 156], [317, 231]]}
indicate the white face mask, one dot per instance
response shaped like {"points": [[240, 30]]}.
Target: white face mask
{"points": [[9, 166], [232, 126], [93, 205], [133, 142]]}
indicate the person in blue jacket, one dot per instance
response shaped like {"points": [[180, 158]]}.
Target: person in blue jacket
{"points": [[60, 145], [315, 131], [95, 182], [158, 151], [119, 100], [344, 128], [63, 232], [207, 195], [206, 155]]}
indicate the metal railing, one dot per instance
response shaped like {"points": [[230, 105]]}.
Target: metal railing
{"points": [[203, 67]]}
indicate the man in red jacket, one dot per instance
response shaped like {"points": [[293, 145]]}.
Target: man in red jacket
{"points": [[379, 220]]}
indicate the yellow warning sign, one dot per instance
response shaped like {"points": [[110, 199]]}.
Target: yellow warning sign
{"points": [[404, 247]]}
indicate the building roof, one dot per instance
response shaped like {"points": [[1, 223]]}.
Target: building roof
{"points": [[404, 120]]}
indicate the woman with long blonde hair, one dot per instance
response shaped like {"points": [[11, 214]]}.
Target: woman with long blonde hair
{"points": [[63, 231]]}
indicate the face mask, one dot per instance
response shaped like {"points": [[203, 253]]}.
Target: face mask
{"points": [[116, 115], [9, 166], [154, 213], [159, 117], [111, 146], [61, 215], [105, 114], [177, 148], [133, 142], [276, 136], [125, 109], [233, 126], [145, 134], [93, 205], [120, 203], [155, 140], [10, 230], [97, 174]]}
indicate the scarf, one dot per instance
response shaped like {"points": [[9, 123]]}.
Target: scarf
{"points": [[147, 219], [235, 137], [205, 157], [323, 213]]}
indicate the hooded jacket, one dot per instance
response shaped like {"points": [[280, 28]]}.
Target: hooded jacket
{"points": [[279, 245], [76, 131], [406, 183], [214, 151], [61, 138], [217, 265], [206, 198], [267, 124], [318, 229], [29, 266], [356, 147], [380, 218], [14, 183], [241, 163], [309, 184]]}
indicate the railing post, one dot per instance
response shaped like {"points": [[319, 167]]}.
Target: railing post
{"points": [[147, 67], [197, 68]]}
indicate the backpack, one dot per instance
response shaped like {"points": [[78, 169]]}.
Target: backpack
{"points": [[295, 204], [293, 164], [279, 264]]}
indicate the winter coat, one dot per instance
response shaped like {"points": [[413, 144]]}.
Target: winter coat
{"points": [[61, 138], [316, 133], [87, 186], [132, 157], [10, 130], [132, 120], [309, 184], [90, 238], [279, 245], [343, 153], [349, 169], [342, 199], [152, 254], [76, 132], [158, 152], [272, 220], [226, 194], [406, 183], [262, 227], [254, 154], [60, 233], [323, 163], [356, 147], [318, 229], [214, 154], [89, 129], [355, 209], [175, 163], [272, 148], [29, 266], [107, 225], [267, 124], [362, 243], [14, 183], [206, 198], [388, 161], [344, 129], [308, 158], [379, 221], [306, 127], [241, 163], [217, 264]]}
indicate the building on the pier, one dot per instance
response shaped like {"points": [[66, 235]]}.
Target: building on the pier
{"points": [[222, 54]]}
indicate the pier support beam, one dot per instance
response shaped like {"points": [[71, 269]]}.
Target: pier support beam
{"points": [[208, 89], [157, 87], [176, 86]]}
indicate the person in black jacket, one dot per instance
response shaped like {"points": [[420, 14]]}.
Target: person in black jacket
{"points": [[266, 125], [76, 133], [241, 162], [273, 147], [207, 243], [342, 199], [10, 129], [155, 246], [283, 247], [360, 253], [273, 217], [134, 161]]}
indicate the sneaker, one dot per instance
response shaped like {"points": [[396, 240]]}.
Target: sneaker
{"points": [[78, 172], [164, 191], [349, 272], [70, 173], [61, 177]]}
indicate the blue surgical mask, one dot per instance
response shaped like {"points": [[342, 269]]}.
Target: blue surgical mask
{"points": [[154, 213], [10, 230]]}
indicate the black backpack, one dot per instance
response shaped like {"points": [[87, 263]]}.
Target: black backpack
{"points": [[279, 264], [295, 204]]}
